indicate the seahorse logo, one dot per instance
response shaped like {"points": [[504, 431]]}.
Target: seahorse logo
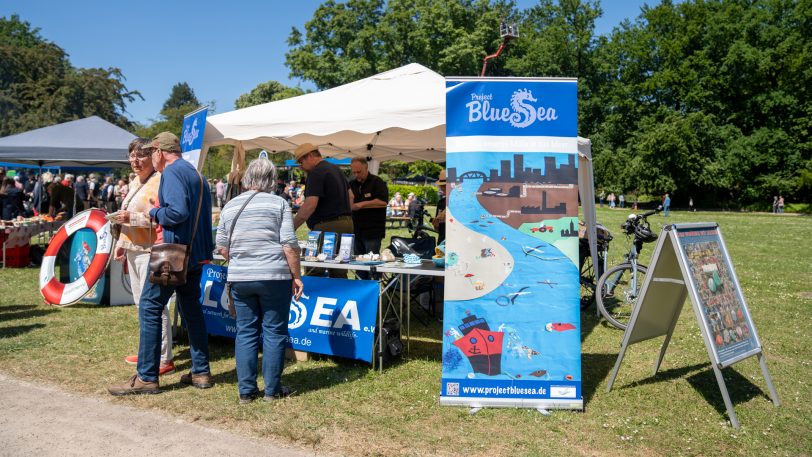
{"points": [[524, 114], [298, 313]]}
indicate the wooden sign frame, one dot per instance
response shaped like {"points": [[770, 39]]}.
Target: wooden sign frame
{"points": [[686, 259]]}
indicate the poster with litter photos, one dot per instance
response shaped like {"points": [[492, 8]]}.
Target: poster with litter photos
{"points": [[512, 333]]}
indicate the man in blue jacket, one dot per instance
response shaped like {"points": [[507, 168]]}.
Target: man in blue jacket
{"points": [[176, 213]]}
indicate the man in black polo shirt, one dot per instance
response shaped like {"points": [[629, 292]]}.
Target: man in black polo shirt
{"points": [[368, 198], [326, 206]]}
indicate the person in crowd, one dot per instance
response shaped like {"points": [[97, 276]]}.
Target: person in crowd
{"points": [[775, 204], [622, 200], [666, 204], [602, 197], [220, 193], [691, 204], [30, 183], [61, 199], [326, 206], [178, 213], [11, 199], [263, 271], [68, 180], [397, 205], [780, 204], [109, 194], [439, 216], [40, 197], [18, 183], [82, 190], [121, 192], [136, 238], [131, 183], [368, 197], [611, 200]]}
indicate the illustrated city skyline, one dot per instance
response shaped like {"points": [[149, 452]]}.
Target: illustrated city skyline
{"points": [[566, 173]]}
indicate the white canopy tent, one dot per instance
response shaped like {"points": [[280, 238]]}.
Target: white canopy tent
{"points": [[395, 115]]}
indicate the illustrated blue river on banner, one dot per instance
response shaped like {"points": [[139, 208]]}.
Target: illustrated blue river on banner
{"points": [[191, 139], [512, 333], [333, 316]]}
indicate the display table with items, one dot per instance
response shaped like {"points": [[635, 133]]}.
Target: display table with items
{"points": [[340, 317], [16, 238]]}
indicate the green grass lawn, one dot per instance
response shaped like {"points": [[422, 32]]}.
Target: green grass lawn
{"points": [[344, 407]]}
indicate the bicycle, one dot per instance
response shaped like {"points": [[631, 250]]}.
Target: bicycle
{"points": [[619, 287], [587, 274]]}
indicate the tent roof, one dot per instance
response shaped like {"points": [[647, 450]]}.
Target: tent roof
{"points": [[91, 141], [398, 114]]}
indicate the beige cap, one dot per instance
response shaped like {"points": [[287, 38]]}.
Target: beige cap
{"points": [[165, 141], [303, 150]]}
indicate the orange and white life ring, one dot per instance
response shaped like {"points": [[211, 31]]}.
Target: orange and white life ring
{"points": [[60, 294]]}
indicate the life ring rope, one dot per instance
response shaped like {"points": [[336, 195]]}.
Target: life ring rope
{"points": [[61, 294]]}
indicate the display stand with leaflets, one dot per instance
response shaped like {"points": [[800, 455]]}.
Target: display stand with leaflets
{"points": [[692, 260]]}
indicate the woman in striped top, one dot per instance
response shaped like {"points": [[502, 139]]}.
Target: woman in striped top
{"points": [[263, 271]]}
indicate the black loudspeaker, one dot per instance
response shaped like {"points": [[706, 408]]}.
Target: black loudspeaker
{"points": [[423, 247], [392, 344]]}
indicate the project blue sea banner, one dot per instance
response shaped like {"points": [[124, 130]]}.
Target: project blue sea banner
{"points": [[335, 317], [191, 139], [214, 301], [512, 108], [511, 331]]}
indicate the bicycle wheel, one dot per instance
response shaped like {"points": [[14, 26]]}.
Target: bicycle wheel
{"points": [[619, 289]]}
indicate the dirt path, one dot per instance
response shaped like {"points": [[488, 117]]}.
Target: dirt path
{"points": [[45, 421]]}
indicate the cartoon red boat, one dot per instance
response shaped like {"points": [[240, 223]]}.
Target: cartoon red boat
{"points": [[482, 346]]}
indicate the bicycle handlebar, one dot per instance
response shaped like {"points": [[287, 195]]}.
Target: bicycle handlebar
{"points": [[652, 212]]}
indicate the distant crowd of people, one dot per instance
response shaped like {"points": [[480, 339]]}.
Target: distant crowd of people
{"points": [[30, 194]]}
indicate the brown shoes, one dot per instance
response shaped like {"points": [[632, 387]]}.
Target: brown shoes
{"points": [[201, 381], [134, 386]]}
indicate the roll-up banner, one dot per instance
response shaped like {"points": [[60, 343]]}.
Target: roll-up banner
{"points": [[191, 140], [511, 324]]}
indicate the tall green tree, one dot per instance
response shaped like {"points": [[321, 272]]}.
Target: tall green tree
{"points": [[181, 101], [269, 91], [39, 86]]}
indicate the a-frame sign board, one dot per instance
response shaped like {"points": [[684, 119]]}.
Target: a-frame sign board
{"points": [[692, 260]]}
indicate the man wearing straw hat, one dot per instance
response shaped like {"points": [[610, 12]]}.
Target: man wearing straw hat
{"points": [[326, 206]]}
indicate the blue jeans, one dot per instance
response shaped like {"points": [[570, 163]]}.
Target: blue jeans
{"points": [[154, 298], [263, 307]]}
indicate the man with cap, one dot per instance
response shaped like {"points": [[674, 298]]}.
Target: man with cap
{"points": [[177, 212], [368, 198], [326, 206]]}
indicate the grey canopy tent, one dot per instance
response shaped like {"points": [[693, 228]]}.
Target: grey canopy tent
{"points": [[85, 142]]}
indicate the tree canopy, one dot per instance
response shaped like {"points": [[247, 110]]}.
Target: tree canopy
{"points": [[39, 87], [705, 98], [269, 91]]}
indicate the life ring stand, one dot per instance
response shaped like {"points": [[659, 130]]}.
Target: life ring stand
{"points": [[61, 294]]}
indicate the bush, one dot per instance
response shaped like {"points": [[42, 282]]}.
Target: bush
{"points": [[427, 192]]}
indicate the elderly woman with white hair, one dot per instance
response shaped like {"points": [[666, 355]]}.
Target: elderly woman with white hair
{"points": [[256, 235]]}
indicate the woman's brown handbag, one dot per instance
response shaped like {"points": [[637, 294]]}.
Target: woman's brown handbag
{"points": [[168, 262]]}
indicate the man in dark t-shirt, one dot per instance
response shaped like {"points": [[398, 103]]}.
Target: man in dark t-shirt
{"points": [[368, 197], [326, 206], [439, 217], [61, 200]]}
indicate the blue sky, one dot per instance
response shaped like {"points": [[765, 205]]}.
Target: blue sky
{"points": [[222, 49]]}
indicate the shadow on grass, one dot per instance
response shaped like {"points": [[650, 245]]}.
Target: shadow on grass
{"points": [[27, 314], [739, 388], [10, 308], [11, 332], [594, 369], [664, 375]]}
